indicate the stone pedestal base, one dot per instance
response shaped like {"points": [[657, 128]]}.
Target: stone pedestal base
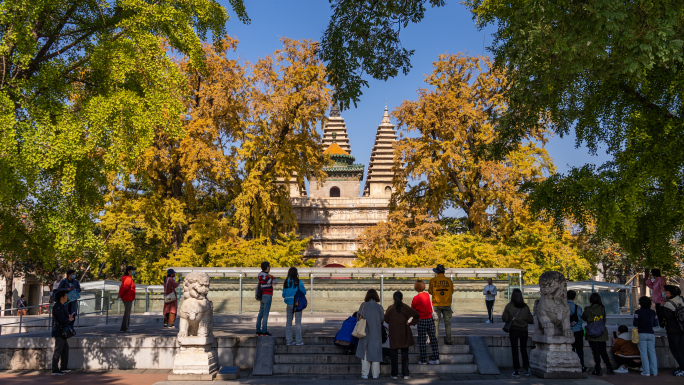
{"points": [[197, 360], [553, 358]]}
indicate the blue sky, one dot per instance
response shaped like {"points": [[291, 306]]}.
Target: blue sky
{"points": [[449, 29]]}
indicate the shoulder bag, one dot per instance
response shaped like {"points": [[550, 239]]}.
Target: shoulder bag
{"points": [[596, 328], [360, 328], [171, 297], [635, 336], [509, 324], [68, 331]]}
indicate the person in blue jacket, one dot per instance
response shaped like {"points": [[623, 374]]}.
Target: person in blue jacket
{"points": [[60, 318], [290, 287], [577, 329], [71, 283]]}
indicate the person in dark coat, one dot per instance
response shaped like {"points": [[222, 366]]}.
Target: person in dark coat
{"points": [[596, 312], [518, 312], [369, 349], [70, 283], [22, 305], [170, 309], [400, 317], [675, 333], [60, 318]]}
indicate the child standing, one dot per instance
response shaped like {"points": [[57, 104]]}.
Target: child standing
{"points": [[645, 320]]}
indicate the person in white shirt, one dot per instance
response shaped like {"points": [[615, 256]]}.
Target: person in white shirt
{"points": [[490, 295]]}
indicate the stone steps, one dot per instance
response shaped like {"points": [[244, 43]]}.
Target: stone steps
{"points": [[350, 359], [355, 369], [332, 349], [319, 355]]}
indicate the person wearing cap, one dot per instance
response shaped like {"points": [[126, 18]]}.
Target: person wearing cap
{"points": [[170, 308], [267, 282], [490, 295], [441, 289]]}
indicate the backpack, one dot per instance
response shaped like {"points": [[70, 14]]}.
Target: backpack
{"points": [[596, 328], [344, 338], [679, 315], [574, 318], [258, 292], [300, 301]]}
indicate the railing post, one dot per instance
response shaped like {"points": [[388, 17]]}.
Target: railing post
{"points": [[147, 300], [311, 277], [508, 277], [102, 297], [78, 315], [382, 290], [240, 295], [21, 315], [50, 316], [453, 297], [521, 287], [109, 301]]}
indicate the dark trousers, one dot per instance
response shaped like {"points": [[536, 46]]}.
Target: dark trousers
{"points": [[598, 350], [660, 312], [519, 336], [627, 361], [578, 346], [676, 342], [61, 352], [394, 357], [126, 320], [490, 306]]}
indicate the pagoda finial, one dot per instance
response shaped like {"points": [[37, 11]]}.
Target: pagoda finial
{"points": [[385, 116], [335, 110]]}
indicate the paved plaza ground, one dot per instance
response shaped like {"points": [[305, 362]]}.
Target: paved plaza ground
{"points": [[317, 325], [158, 377]]}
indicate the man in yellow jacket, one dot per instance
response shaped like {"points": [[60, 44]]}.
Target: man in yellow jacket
{"points": [[441, 289]]}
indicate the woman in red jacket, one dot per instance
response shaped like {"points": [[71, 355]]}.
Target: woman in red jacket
{"points": [[426, 326], [127, 295]]}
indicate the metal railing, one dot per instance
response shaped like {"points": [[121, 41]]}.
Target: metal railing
{"points": [[104, 310]]}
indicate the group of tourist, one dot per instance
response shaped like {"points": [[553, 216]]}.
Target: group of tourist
{"points": [[428, 310], [626, 350]]}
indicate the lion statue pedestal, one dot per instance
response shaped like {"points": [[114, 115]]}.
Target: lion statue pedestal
{"points": [[197, 358], [552, 356]]}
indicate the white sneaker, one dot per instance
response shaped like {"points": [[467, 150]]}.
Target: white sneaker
{"points": [[364, 377], [645, 374], [300, 344], [393, 377], [289, 343], [488, 322], [407, 377], [433, 362], [621, 370]]}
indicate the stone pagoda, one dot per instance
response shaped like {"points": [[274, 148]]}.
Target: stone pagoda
{"points": [[334, 214]]}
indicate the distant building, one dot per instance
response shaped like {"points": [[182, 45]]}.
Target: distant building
{"points": [[334, 213]]}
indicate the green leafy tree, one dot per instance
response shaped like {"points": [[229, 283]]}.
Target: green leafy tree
{"points": [[611, 71], [363, 38], [84, 88]]}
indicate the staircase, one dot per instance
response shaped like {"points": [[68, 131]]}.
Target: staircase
{"points": [[319, 355]]}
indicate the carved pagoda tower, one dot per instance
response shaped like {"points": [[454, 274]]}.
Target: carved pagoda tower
{"points": [[334, 214]]}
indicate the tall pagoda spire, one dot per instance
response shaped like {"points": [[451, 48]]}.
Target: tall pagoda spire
{"points": [[336, 125], [380, 174]]}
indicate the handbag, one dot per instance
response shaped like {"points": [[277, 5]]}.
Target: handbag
{"points": [[68, 331], [360, 328], [509, 324], [171, 297], [635, 336], [435, 317], [596, 328]]}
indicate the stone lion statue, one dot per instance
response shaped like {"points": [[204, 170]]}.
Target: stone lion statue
{"points": [[551, 312], [196, 312]]}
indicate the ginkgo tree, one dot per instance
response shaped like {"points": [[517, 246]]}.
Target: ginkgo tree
{"points": [[449, 136], [198, 198], [84, 88]]}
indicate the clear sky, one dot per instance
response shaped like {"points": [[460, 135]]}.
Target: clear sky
{"points": [[449, 29]]}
